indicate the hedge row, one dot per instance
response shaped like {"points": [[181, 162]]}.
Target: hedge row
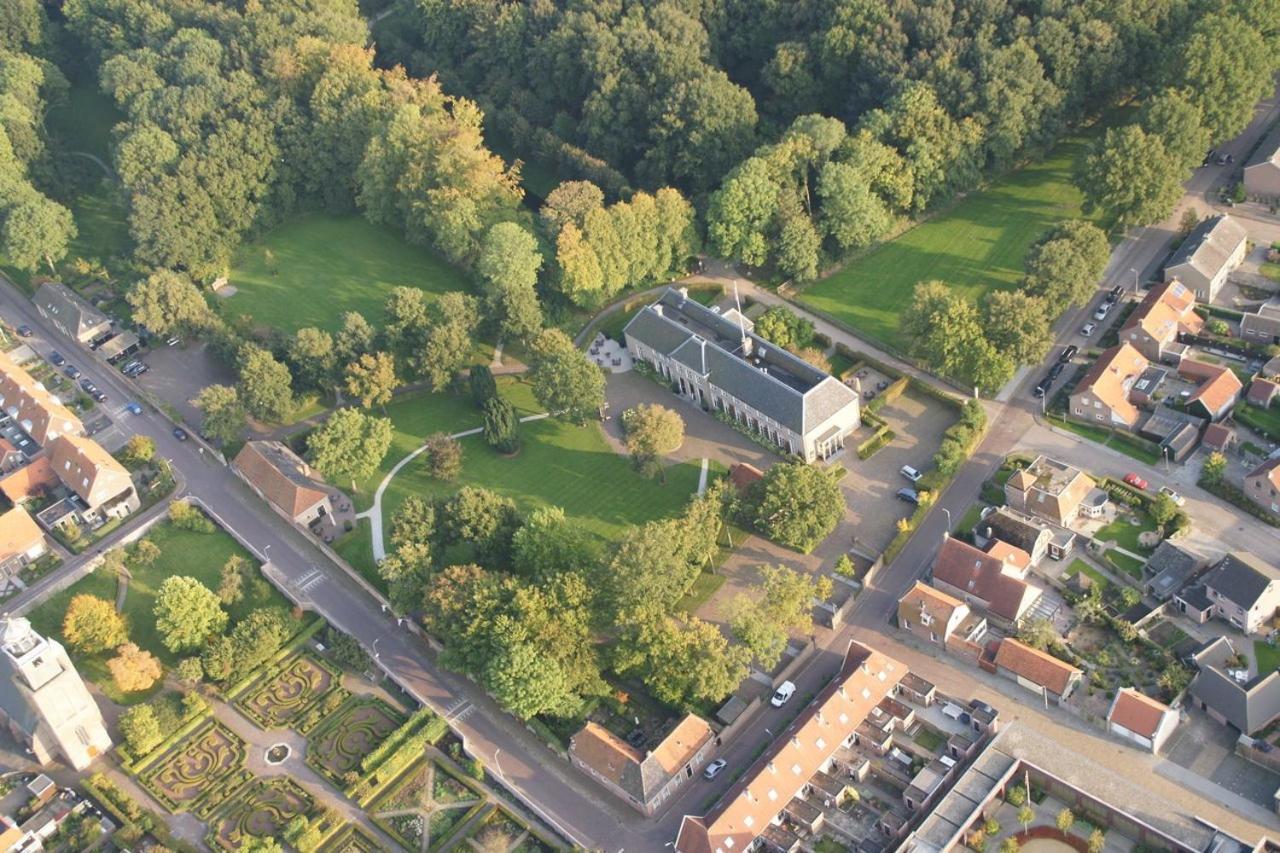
{"points": [[273, 666], [137, 764], [1232, 495], [424, 720], [135, 821]]}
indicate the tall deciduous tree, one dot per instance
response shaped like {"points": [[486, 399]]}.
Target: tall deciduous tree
{"points": [[349, 445], [36, 230], [565, 381], [133, 669], [1017, 324], [1065, 265], [684, 666], [312, 357], [501, 425], [91, 624], [796, 505], [451, 321], [548, 544], [652, 431], [371, 379], [266, 388], [224, 414], [442, 456], [1129, 175], [187, 613], [167, 302]]}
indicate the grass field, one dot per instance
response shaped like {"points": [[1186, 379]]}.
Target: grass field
{"points": [[182, 552], [1268, 656], [1077, 566], [559, 465], [86, 119], [1126, 564], [975, 247], [1125, 534], [310, 270]]}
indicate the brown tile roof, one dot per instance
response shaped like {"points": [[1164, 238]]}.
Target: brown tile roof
{"points": [[1218, 436], [1219, 388], [88, 470], [605, 752], [1022, 480], [964, 567], [678, 748], [922, 598], [37, 411], [19, 533], [1034, 665], [1009, 554], [748, 808], [1137, 712], [1262, 391], [1111, 377], [281, 475], [640, 774], [1167, 309], [29, 480]]}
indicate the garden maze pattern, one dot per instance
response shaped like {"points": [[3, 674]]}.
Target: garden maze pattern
{"points": [[284, 697], [426, 806], [262, 809], [350, 734], [193, 768]]}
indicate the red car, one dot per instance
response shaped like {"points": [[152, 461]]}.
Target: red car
{"points": [[1134, 480]]}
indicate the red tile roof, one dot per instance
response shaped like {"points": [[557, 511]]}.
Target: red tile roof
{"points": [[1111, 377], [1167, 309], [1137, 712], [88, 469], [30, 480], [1220, 387], [787, 765], [1035, 666], [19, 533], [964, 567], [1269, 469], [281, 475], [922, 598], [1262, 391], [640, 774], [1218, 436]]}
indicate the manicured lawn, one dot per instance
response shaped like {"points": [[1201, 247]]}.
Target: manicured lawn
{"points": [[1125, 534], [1270, 270], [312, 269], [1078, 566], [1114, 439], [560, 465], [1126, 564], [182, 552], [356, 549], [1268, 656], [1265, 421], [971, 517], [975, 247]]}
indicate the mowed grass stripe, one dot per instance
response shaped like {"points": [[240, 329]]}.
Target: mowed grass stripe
{"points": [[563, 465], [312, 269], [977, 246]]}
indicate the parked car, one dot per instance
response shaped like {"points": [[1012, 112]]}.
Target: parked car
{"points": [[87, 386], [180, 434], [174, 341], [1055, 371], [1041, 389], [1134, 480], [133, 408], [56, 358], [911, 496], [72, 371], [1087, 331], [24, 331], [1115, 292], [100, 396], [911, 473], [1068, 354], [783, 694], [1103, 310], [713, 769], [129, 365], [1178, 500]]}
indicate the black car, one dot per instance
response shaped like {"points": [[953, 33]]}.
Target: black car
{"points": [[1039, 390], [72, 371], [57, 359], [1116, 291], [180, 434], [911, 496], [88, 386], [99, 396], [1055, 371], [24, 331], [1068, 354]]}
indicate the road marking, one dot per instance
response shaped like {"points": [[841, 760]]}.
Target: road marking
{"points": [[459, 710]]}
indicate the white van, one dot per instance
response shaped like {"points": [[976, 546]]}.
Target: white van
{"points": [[783, 694]]}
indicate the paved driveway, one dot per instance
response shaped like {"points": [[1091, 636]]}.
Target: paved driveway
{"points": [[1208, 749]]}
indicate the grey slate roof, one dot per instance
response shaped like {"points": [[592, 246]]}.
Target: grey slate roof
{"points": [[1169, 568], [1268, 151], [1248, 707], [1209, 245], [1240, 581], [1018, 531], [69, 309], [714, 351]]}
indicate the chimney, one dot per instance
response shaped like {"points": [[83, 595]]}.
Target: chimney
{"points": [[657, 309], [747, 344], [684, 294]]}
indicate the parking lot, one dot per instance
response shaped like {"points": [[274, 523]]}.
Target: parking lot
{"points": [[178, 373]]}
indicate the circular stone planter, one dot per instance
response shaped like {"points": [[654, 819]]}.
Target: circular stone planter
{"points": [[278, 753]]}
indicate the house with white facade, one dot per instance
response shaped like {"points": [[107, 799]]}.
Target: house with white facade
{"points": [[1211, 251], [719, 363], [1140, 719]]}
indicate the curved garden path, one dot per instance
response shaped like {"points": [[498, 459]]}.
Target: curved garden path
{"points": [[374, 513]]}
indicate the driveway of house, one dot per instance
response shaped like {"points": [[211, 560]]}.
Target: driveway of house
{"points": [[1207, 749], [178, 373]]}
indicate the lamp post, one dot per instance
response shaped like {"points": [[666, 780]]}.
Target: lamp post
{"points": [[376, 653], [947, 532], [1164, 451], [1135, 280]]}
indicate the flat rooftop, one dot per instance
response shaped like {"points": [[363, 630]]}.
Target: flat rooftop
{"points": [[1051, 475]]}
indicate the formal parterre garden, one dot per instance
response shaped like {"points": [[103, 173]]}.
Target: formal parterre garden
{"points": [[352, 732], [282, 698], [262, 809], [192, 771]]}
